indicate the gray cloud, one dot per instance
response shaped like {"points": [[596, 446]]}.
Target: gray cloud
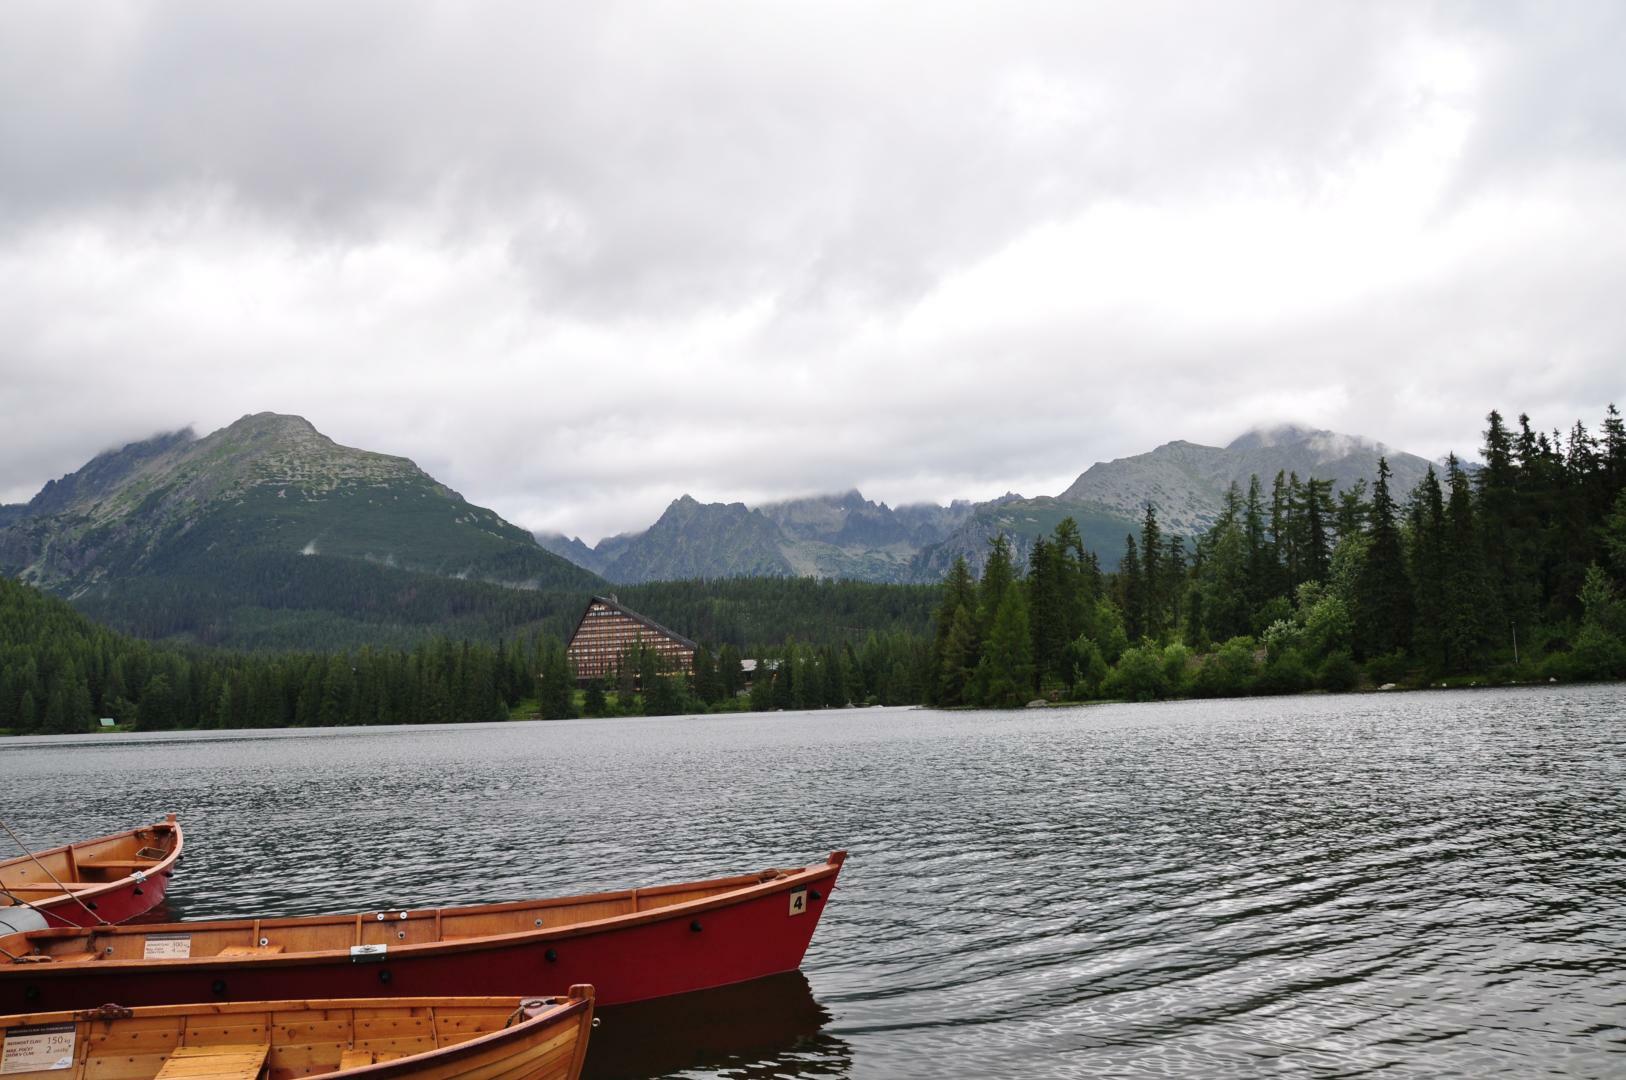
{"points": [[577, 259]]}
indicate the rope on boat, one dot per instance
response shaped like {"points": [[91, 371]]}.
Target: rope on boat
{"points": [[76, 898]]}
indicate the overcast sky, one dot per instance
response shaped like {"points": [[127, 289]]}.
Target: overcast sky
{"points": [[578, 259]]}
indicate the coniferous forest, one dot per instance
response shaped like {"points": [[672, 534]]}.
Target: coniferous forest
{"points": [[60, 671], [1509, 570]]}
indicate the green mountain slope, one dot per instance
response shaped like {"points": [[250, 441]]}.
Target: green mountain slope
{"points": [[265, 484], [269, 533]]}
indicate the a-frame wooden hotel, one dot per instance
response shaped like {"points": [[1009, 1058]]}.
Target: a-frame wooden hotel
{"points": [[607, 632]]}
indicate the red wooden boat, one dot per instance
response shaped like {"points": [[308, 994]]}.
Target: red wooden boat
{"points": [[109, 879], [631, 945], [458, 1038]]}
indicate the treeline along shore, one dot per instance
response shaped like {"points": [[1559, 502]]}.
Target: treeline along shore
{"points": [[1509, 570]]}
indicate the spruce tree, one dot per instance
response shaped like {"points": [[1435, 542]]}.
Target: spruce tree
{"points": [[1315, 549], [556, 683], [1174, 582], [1005, 674], [1383, 610], [948, 658], [1469, 595], [1132, 590], [1428, 569], [1046, 607], [998, 578], [957, 660], [1261, 568], [1613, 454], [1151, 574]]}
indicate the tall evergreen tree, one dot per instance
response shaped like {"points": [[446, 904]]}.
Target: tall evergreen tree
{"points": [[951, 658], [1047, 606], [998, 578], [1315, 546], [1153, 619], [1469, 595], [1005, 674], [1261, 569], [1429, 570], [556, 683], [1383, 611], [1132, 590]]}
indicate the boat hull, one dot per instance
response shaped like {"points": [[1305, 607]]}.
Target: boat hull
{"points": [[97, 899], [670, 951], [438, 1038], [130, 899]]}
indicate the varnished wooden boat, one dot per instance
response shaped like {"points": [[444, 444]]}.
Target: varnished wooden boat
{"points": [[111, 878], [476, 1038], [632, 945]]}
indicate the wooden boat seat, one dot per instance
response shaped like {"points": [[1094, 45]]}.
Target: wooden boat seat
{"points": [[250, 950], [117, 864], [228, 1061]]}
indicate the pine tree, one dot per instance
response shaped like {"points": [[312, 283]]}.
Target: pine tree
{"points": [[948, 658], [1079, 577], [1353, 511], [1132, 590], [1047, 609], [1005, 674], [1315, 549], [1174, 581], [707, 686], [1613, 452], [1151, 574], [1383, 611], [1428, 570], [1469, 595], [1282, 555], [998, 577], [556, 682], [730, 672], [1261, 567]]}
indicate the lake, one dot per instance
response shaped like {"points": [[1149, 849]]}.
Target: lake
{"points": [[1412, 884]]}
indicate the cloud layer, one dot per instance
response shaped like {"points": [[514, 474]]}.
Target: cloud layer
{"points": [[578, 259]]}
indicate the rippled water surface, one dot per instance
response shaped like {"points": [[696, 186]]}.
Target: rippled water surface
{"points": [[1409, 884]]}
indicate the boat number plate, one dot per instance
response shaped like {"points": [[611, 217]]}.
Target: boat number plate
{"points": [[360, 954], [40, 1048], [798, 901], [167, 947]]}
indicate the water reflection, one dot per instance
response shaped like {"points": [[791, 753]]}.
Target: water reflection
{"points": [[767, 1027]]}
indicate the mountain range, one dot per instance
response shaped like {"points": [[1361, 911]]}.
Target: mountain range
{"points": [[850, 536], [267, 532]]}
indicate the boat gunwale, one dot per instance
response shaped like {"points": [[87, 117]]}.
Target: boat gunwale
{"points": [[752, 886], [100, 888]]}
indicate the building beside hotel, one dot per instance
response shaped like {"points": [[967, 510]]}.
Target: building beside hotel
{"points": [[608, 632]]}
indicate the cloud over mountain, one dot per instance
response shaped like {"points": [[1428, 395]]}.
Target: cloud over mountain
{"points": [[589, 255]]}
